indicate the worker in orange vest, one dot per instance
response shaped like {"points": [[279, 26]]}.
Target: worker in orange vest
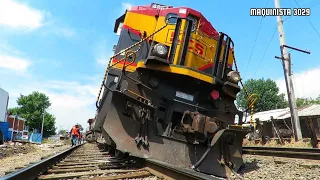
{"points": [[74, 134]]}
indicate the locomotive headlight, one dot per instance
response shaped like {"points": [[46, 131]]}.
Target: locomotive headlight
{"points": [[160, 50], [233, 76]]}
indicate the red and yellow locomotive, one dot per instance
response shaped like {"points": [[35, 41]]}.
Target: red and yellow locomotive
{"points": [[168, 92]]}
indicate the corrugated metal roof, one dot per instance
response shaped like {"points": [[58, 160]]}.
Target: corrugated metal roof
{"points": [[312, 110], [265, 115]]}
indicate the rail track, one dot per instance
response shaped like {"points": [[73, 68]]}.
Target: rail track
{"points": [[90, 161], [299, 153]]}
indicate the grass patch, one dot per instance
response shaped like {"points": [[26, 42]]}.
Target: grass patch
{"points": [[304, 143]]}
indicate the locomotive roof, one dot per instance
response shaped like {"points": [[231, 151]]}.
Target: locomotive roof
{"points": [[153, 10]]}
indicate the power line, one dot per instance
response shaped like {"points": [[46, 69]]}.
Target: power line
{"points": [[316, 4], [254, 44], [308, 18], [274, 32]]}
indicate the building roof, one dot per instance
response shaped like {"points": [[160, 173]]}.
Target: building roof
{"points": [[20, 118], [307, 111], [312, 110]]}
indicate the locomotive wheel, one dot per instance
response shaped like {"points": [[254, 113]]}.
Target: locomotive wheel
{"points": [[111, 149], [120, 155]]}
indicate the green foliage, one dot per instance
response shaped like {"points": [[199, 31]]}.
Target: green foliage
{"points": [[14, 111], [31, 108], [268, 93], [301, 102], [49, 125], [62, 131]]}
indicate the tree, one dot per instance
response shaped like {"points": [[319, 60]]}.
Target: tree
{"points": [[268, 93], [62, 132], [31, 107], [301, 102], [14, 111], [49, 125]]}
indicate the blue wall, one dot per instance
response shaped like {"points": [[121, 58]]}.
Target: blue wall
{"points": [[9, 135], [4, 127], [36, 137]]}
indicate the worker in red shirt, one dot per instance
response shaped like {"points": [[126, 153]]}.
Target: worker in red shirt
{"points": [[74, 134], [80, 138]]}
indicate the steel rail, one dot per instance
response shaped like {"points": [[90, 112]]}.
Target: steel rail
{"points": [[157, 168], [176, 172], [299, 153], [32, 171]]}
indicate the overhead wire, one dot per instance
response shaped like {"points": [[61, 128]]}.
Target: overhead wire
{"points": [[309, 19], [316, 4], [294, 77], [254, 43], [274, 32]]}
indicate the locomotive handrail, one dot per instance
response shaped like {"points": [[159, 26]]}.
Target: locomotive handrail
{"points": [[128, 54], [126, 49], [130, 47], [252, 99], [136, 94]]}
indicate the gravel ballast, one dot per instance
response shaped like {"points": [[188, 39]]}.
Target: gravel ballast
{"points": [[22, 159], [268, 167]]}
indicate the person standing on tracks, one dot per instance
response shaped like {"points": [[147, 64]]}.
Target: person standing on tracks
{"points": [[74, 134], [80, 138]]}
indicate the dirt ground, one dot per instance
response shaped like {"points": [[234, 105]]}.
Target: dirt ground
{"points": [[21, 155], [9, 149]]}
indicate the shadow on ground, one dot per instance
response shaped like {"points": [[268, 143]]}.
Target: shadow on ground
{"points": [[248, 166]]}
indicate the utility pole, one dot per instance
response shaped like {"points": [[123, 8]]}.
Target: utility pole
{"points": [[42, 124], [286, 62], [14, 121]]}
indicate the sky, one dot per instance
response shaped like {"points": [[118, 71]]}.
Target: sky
{"points": [[61, 48]]}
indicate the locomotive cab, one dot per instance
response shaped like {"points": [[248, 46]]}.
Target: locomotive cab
{"points": [[169, 90]]}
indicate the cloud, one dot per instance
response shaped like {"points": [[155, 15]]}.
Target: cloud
{"points": [[126, 6], [18, 15], [103, 61], [57, 28], [14, 63], [72, 101], [102, 52], [305, 83], [7, 49], [62, 31]]}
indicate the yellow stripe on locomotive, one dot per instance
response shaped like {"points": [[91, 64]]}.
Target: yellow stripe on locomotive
{"points": [[201, 49]]}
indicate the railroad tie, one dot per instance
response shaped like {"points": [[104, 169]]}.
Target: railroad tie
{"points": [[79, 174], [140, 174]]}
